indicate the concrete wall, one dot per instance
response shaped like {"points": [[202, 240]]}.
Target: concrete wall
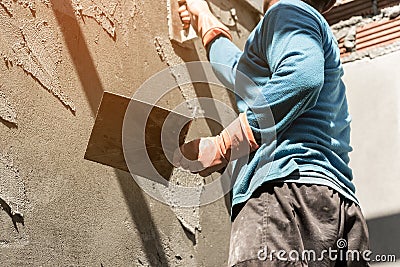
{"points": [[59, 209]]}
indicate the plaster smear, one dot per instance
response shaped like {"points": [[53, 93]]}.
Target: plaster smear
{"points": [[177, 198], [179, 71], [109, 14], [189, 217], [7, 112], [13, 201], [12, 187], [33, 46], [9, 5], [27, 4]]}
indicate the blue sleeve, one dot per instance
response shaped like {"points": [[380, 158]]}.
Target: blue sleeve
{"points": [[224, 56], [290, 43]]}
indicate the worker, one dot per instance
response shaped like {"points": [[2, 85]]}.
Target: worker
{"points": [[294, 205]]}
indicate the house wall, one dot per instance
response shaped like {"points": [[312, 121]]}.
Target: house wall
{"points": [[59, 209]]}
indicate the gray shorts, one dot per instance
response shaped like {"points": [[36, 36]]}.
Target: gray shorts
{"points": [[288, 224]]}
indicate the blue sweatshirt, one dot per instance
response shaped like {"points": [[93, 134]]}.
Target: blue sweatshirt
{"points": [[293, 61]]}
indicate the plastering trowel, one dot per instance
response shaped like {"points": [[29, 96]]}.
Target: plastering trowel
{"points": [[176, 31], [151, 135]]}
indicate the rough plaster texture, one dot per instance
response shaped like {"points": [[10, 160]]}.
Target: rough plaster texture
{"points": [[58, 209], [7, 112], [12, 188], [9, 5], [13, 198], [81, 213], [32, 45]]}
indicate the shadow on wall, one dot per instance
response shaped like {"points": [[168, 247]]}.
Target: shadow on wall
{"points": [[9, 125], [203, 90], [384, 235], [15, 216], [79, 52], [93, 88]]}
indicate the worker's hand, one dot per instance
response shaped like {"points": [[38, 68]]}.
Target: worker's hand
{"points": [[211, 154], [198, 13], [191, 9], [185, 15], [200, 156]]}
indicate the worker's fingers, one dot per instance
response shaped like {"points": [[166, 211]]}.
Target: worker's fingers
{"points": [[196, 7], [185, 20], [185, 14], [182, 8]]}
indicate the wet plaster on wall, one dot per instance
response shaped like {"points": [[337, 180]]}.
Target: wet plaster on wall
{"points": [[91, 10], [9, 5], [115, 17], [7, 112], [13, 199], [176, 195], [179, 254], [238, 16], [31, 5], [109, 14], [178, 70], [348, 29], [33, 46], [188, 217], [78, 224]]}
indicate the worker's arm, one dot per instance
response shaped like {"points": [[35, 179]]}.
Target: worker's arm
{"points": [[211, 154], [224, 57], [290, 42], [206, 155]]}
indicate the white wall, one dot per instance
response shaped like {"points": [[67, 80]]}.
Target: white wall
{"points": [[373, 89]]}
